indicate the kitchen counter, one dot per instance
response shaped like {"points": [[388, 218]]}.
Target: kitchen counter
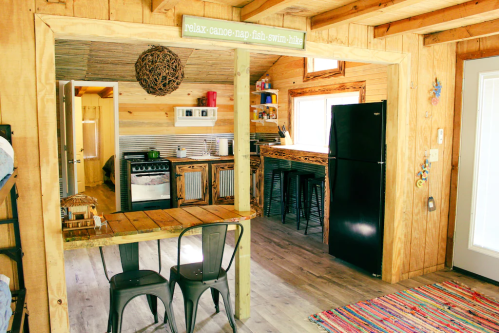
{"points": [[303, 154], [187, 159], [297, 153]]}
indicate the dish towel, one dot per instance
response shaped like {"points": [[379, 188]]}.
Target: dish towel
{"points": [[5, 301]]}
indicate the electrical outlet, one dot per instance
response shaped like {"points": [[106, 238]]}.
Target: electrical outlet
{"points": [[433, 155]]}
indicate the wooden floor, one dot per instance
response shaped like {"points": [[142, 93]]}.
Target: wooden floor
{"points": [[106, 199], [292, 276]]}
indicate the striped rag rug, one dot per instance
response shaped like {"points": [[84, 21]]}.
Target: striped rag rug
{"points": [[441, 307]]}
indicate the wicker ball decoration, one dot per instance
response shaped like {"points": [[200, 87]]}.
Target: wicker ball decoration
{"points": [[159, 71]]}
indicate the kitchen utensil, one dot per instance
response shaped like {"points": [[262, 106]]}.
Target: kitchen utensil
{"points": [[212, 98], [152, 154], [281, 134]]}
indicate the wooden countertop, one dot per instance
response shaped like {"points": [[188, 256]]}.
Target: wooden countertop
{"points": [[187, 159], [148, 225], [297, 153]]}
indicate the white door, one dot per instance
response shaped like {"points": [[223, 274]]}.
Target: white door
{"points": [[477, 223], [80, 166], [69, 101]]}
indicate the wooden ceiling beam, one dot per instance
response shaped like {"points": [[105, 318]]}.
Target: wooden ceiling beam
{"points": [[433, 19], [258, 9], [161, 6], [80, 91], [483, 29], [356, 11], [106, 92]]}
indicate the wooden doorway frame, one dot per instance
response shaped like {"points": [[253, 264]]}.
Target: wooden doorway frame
{"points": [[456, 145], [50, 27]]}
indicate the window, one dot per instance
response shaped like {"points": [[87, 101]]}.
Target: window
{"points": [[90, 139], [318, 68], [312, 116]]}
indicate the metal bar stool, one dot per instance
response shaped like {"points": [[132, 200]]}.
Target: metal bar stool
{"points": [[301, 193], [315, 185], [281, 175]]}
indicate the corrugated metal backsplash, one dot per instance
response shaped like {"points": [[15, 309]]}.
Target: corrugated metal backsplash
{"points": [[167, 146]]}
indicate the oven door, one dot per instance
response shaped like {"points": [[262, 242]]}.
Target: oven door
{"points": [[150, 186]]}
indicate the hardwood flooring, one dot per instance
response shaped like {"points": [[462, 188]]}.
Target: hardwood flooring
{"points": [[106, 199], [292, 276]]}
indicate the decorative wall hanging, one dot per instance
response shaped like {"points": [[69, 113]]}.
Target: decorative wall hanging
{"points": [[423, 173], [437, 90], [159, 71]]}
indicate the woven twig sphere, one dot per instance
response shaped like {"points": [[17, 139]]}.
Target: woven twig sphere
{"points": [[159, 71]]}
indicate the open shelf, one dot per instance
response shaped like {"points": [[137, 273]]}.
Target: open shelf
{"points": [[263, 106], [266, 91], [263, 121]]}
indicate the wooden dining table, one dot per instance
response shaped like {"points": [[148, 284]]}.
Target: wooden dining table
{"points": [[138, 226]]}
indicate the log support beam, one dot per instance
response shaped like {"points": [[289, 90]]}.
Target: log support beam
{"points": [[478, 30]]}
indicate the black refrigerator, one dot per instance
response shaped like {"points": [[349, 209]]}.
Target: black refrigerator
{"points": [[357, 184]]}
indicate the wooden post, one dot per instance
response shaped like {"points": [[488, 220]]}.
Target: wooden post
{"points": [[242, 178]]}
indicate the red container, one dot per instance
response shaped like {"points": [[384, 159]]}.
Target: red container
{"points": [[212, 98]]}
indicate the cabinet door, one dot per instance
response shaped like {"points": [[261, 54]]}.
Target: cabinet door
{"points": [[192, 184], [222, 175]]}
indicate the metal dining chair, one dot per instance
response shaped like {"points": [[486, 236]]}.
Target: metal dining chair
{"points": [[135, 282], [195, 278]]}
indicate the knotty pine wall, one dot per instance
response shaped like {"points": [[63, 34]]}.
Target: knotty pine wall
{"points": [[18, 96], [425, 232]]}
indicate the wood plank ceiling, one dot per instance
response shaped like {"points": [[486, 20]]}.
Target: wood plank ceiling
{"points": [[103, 61]]}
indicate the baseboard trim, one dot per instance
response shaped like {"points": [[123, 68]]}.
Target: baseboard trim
{"points": [[476, 276]]}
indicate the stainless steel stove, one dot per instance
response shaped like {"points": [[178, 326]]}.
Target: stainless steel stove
{"points": [[148, 182]]}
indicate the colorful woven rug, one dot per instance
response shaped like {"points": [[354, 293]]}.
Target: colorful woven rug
{"points": [[441, 307]]}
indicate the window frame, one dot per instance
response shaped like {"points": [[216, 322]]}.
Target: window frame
{"points": [[325, 74], [359, 86]]}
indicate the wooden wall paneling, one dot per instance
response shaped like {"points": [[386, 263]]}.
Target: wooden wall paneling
{"points": [[236, 14], [295, 22], [447, 154], [218, 11], [274, 20], [49, 169], [55, 8], [161, 18], [338, 35], [375, 43], [318, 36], [18, 104], [126, 10], [393, 43], [410, 45], [423, 127], [468, 46], [440, 58], [191, 7], [92, 9], [357, 35]]}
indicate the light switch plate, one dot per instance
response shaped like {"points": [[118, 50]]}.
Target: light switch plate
{"points": [[433, 155]]}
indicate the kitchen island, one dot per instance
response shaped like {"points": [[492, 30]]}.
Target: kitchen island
{"points": [[303, 154]]}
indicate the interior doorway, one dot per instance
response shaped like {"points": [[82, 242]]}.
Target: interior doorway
{"points": [[477, 224], [88, 125]]}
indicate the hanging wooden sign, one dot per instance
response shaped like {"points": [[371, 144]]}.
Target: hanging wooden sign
{"points": [[229, 31]]}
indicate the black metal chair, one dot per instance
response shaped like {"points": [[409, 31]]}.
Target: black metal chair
{"points": [[316, 185], [281, 175], [134, 282], [301, 194], [195, 278]]}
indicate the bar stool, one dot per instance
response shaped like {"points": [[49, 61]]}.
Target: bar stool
{"points": [[315, 185], [282, 176], [301, 193]]}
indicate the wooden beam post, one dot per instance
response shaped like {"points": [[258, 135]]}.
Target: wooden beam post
{"points": [[356, 11], [436, 18], [49, 169], [242, 177], [483, 29], [398, 106], [161, 6], [259, 9]]}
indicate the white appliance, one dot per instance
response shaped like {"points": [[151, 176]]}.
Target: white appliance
{"points": [[223, 147]]}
